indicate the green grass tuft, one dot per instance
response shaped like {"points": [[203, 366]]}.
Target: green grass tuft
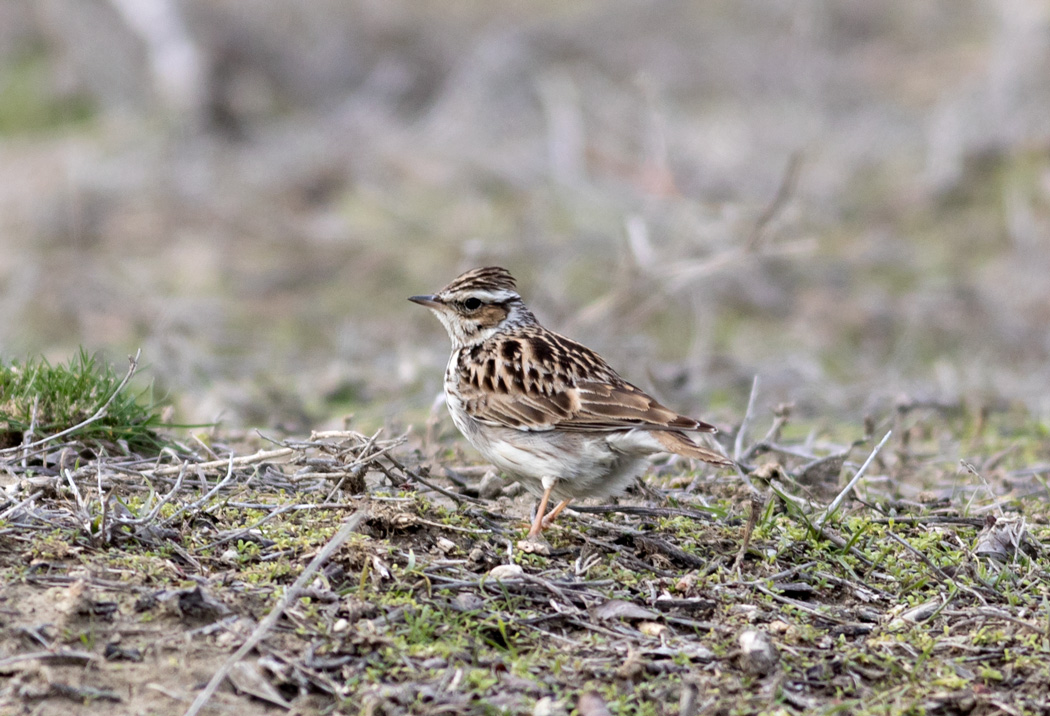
{"points": [[51, 398]]}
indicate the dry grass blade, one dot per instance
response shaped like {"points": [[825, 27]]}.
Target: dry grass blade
{"points": [[758, 505], [230, 474], [784, 192], [745, 424], [833, 507], [228, 463]]}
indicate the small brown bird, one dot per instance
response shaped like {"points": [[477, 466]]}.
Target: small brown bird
{"points": [[543, 408]]}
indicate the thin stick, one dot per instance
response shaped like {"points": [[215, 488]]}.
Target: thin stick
{"points": [[991, 493], [852, 483], [160, 503], [771, 578], [801, 606], [923, 520], [938, 572], [416, 477], [994, 613], [646, 511], [260, 456], [758, 505], [83, 656], [15, 507], [99, 414], [784, 192], [679, 277], [28, 437], [769, 441], [204, 500], [284, 509], [271, 619], [738, 444], [104, 502]]}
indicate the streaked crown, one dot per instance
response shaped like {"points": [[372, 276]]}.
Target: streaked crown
{"points": [[492, 282]]}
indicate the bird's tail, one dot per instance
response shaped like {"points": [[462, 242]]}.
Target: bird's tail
{"points": [[681, 445]]}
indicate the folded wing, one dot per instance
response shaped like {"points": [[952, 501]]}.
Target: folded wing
{"points": [[546, 382]]}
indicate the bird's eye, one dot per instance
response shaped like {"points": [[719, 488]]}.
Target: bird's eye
{"points": [[472, 304]]}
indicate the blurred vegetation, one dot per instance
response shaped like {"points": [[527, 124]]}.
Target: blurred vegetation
{"points": [[253, 215], [26, 102]]}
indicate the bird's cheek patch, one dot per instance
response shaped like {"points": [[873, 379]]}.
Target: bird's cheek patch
{"points": [[490, 316]]}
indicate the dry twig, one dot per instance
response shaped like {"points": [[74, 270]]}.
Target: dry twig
{"points": [[852, 483], [745, 424]]}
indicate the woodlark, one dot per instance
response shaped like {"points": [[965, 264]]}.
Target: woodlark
{"points": [[543, 408]]}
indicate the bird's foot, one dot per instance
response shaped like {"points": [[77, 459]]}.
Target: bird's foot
{"points": [[534, 545]]}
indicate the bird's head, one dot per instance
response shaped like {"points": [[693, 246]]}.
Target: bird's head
{"points": [[478, 305]]}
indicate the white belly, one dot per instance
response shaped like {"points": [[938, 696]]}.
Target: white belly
{"points": [[584, 464]]}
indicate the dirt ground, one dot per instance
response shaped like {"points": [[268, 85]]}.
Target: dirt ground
{"points": [[77, 680]]}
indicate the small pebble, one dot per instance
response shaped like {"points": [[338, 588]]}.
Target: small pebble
{"points": [[506, 571], [491, 486], [534, 545], [653, 628], [547, 706], [758, 654]]}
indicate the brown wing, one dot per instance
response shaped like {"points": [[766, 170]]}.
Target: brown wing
{"points": [[537, 380], [606, 405]]}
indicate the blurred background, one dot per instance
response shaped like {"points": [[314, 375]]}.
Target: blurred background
{"points": [[850, 199]]}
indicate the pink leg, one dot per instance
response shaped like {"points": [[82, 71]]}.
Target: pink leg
{"points": [[554, 513], [537, 524]]}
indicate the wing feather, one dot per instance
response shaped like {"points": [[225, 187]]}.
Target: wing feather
{"points": [[549, 382]]}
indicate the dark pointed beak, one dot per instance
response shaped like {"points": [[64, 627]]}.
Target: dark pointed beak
{"points": [[428, 301]]}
